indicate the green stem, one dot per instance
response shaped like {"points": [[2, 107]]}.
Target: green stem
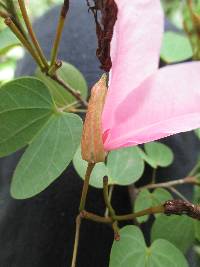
{"points": [[154, 176], [76, 110], [195, 169], [20, 36], [108, 220], [85, 186], [3, 5], [152, 210], [4, 15], [10, 6], [59, 31], [52, 70], [109, 198], [187, 180], [176, 192], [81, 208], [76, 242], [95, 218], [32, 34], [106, 197], [116, 231], [111, 211]]}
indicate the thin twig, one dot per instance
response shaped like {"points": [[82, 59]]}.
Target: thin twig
{"points": [[71, 90], [85, 186], [61, 22], [173, 190], [4, 14], [25, 42], [154, 175], [187, 180], [52, 69], [10, 7], [116, 230], [69, 107], [174, 206], [81, 208], [152, 210], [3, 5], [96, 218], [111, 188], [76, 110], [111, 211], [32, 34], [108, 220], [195, 169], [106, 197], [76, 243]]}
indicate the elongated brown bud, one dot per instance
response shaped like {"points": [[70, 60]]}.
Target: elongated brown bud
{"points": [[92, 144]]}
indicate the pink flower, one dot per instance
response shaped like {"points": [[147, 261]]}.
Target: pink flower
{"points": [[145, 103]]}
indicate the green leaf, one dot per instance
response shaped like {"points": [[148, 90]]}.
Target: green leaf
{"points": [[197, 132], [173, 12], [47, 156], [146, 199], [25, 106], [179, 230], [165, 254], [161, 154], [8, 41], [146, 158], [197, 229], [69, 74], [131, 251], [125, 165], [99, 171], [176, 47], [191, 26], [196, 200]]}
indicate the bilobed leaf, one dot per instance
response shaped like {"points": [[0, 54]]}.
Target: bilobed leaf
{"points": [[165, 254], [159, 153], [25, 106], [146, 158], [176, 47], [8, 41], [47, 156], [125, 166], [179, 230], [72, 76], [99, 171], [131, 251], [147, 199]]}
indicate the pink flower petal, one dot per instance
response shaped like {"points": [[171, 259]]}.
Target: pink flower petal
{"points": [[164, 104], [135, 49]]}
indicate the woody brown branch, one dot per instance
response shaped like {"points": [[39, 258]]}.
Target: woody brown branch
{"points": [[181, 207]]}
